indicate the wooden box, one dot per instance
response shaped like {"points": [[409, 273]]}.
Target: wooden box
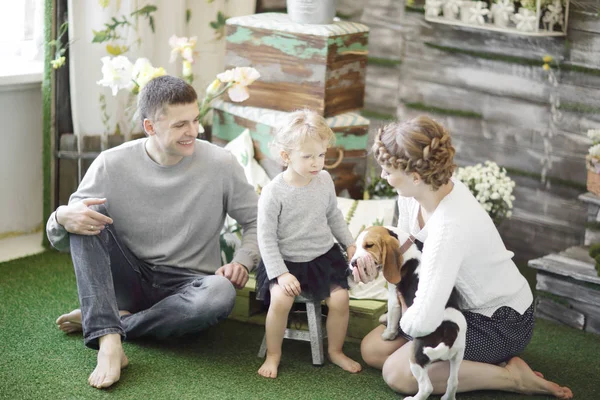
{"points": [[346, 161], [321, 67]]}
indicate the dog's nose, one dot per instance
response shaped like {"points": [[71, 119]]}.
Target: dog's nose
{"points": [[353, 263]]}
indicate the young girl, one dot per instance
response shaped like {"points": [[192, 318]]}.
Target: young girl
{"points": [[297, 215], [462, 249]]}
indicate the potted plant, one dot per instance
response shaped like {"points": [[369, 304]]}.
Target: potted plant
{"points": [[593, 162]]}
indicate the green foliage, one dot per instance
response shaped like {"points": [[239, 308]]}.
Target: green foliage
{"points": [[219, 25], [376, 115], [351, 211], [188, 15], [443, 111], [383, 62], [111, 29], [379, 187], [595, 254]]}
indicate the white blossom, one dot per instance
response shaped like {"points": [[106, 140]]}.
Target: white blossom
{"points": [[491, 187]]}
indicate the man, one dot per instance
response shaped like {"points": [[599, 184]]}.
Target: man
{"points": [[143, 229]]}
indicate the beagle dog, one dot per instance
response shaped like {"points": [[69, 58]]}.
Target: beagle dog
{"points": [[399, 255]]}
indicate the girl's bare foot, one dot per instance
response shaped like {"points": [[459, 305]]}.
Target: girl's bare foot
{"points": [[269, 367], [70, 322], [111, 359], [344, 362], [527, 381]]}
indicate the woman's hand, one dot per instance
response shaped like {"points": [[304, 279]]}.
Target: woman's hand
{"points": [[289, 284]]}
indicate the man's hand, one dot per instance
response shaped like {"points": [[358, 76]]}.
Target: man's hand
{"points": [[78, 218], [236, 273], [289, 284]]}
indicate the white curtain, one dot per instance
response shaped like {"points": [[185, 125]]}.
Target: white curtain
{"points": [[170, 17]]}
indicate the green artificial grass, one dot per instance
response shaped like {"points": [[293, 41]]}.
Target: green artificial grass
{"points": [[37, 361]]}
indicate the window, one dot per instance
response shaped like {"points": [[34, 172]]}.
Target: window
{"points": [[21, 39]]}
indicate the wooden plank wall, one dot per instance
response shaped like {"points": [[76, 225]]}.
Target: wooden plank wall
{"points": [[492, 93]]}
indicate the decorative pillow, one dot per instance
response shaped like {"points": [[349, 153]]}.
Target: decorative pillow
{"points": [[361, 214], [243, 149]]}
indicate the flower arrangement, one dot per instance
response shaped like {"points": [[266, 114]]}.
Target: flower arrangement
{"points": [[120, 73], [594, 150], [378, 188], [491, 186]]}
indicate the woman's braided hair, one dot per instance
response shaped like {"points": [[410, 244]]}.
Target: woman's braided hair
{"points": [[418, 145]]}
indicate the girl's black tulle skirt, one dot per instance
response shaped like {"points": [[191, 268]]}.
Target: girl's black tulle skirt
{"points": [[316, 277]]}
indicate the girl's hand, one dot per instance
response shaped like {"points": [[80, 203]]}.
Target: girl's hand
{"points": [[289, 284], [350, 250]]}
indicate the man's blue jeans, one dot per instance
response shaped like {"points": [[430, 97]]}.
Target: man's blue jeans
{"points": [[163, 301]]}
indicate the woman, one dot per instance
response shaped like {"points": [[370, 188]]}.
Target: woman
{"points": [[462, 249]]}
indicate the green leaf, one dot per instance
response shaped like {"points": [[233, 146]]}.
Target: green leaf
{"points": [[188, 15], [100, 36], [151, 22], [214, 25], [145, 10], [221, 18]]}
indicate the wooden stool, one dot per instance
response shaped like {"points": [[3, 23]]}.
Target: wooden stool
{"points": [[314, 335]]}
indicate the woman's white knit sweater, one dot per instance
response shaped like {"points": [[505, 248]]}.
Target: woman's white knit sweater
{"points": [[462, 249]]}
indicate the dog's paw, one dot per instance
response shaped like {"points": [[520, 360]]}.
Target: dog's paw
{"points": [[447, 397], [389, 334], [383, 319]]}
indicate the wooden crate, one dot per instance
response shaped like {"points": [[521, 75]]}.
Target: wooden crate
{"points": [[568, 289], [348, 155], [322, 67], [364, 314]]}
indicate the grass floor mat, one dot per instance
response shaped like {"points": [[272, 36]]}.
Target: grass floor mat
{"points": [[38, 361]]}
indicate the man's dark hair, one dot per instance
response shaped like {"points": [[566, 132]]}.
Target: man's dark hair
{"points": [[161, 92]]}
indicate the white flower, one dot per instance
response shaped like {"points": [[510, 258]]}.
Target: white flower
{"points": [[144, 72], [240, 77], [594, 134], [526, 20], [182, 46], [490, 186], [478, 12], [116, 73], [502, 9], [594, 151]]}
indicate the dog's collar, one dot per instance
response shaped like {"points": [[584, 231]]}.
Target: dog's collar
{"points": [[409, 242]]}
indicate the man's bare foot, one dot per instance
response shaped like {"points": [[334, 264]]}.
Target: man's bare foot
{"points": [[344, 362], [111, 359], [528, 382], [70, 322], [269, 367]]}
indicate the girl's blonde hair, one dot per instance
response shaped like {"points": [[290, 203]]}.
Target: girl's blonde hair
{"points": [[418, 145], [297, 127]]}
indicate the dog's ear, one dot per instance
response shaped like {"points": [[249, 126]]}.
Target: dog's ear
{"points": [[392, 259]]}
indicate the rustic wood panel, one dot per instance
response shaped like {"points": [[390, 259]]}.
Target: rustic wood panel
{"points": [[549, 309], [382, 89], [566, 287], [486, 41], [584, 48], [574, 263], [475, 144]]}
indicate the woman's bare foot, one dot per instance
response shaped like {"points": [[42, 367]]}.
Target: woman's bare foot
{"points": [[111, 359], [344, 362], [70, 322], [269, 367], [527, 381]]}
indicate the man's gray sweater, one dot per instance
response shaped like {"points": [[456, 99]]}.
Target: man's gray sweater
{"points": [[170, 215]]}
